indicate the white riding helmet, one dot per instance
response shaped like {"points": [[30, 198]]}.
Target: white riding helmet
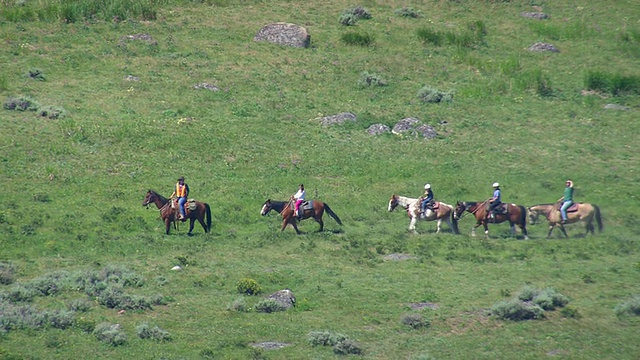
{"points": [[495, 184], [427, 186]]}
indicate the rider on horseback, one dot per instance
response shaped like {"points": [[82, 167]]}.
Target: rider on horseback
{"points": [[567, 200], [495, 201], [427, 200], [299, 197], [181, 192]]}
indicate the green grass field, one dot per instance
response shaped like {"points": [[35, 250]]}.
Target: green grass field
{"points": [[122, 116]]}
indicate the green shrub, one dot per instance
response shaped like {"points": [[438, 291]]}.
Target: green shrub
{"points": [[52, 112], [355, 38], [144, 331], [84, 324], [269, 306], [517, 310], [248, 286], [570, 312], [416, 321], [351, 16], [36, 74], [111, 334], [239, 305], [629, 308], [324, 338], [21, 103], [367, 79], [60, 319], [7, 272], [430, 94], [79, 305], [347, 347], [549, 299], [408, 12], [527, 293]]}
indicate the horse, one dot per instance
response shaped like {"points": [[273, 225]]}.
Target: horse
{"points": [[285, 208], [516, 214], [169, 213], [441, 212], [584, 212]]}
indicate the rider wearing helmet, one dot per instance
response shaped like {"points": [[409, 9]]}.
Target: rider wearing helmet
{"points": [[567, 200], [427, 199], [495, 201]]}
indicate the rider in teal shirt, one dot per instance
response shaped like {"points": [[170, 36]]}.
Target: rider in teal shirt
{"points": [[567, 200]]}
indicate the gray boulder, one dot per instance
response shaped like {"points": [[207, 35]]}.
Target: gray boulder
{"points": [[338, 118], [539, 46], [284, 34], [415, 127], [284, 297], [378, 129]]}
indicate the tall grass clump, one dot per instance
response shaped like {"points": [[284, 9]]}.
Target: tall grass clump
{"points": [[145, 331], [612, 83], [21, 103], [473, 36], [341, 344], [70, 11], [358, 39]]}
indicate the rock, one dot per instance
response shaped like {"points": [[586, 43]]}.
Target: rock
{"points": [[206, 86], [338, 119], [284, 297], [404, 125], [535, 15], [378, 129], [284, 34], [539, 46], [616, 107], [176, 268]]}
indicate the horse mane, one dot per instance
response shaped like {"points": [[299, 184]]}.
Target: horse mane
{"points": [[164, 199]]}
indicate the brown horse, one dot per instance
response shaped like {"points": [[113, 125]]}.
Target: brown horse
{"points": [[169, 213], [578, 212], [285, 208], [516, 214]]}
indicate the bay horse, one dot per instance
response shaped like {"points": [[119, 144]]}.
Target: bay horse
{"points": [[285, 208], [169, 213], [441, 212], [516, 215], [584, 212]]}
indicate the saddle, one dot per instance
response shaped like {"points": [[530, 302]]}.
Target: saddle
{"points": [[189, 205], [572, 208], [501, 209], [306, 205]]}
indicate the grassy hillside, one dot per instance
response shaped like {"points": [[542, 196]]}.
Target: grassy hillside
{"points": [[122, 117]]}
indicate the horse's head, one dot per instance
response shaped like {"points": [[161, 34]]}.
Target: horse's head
{"points": [[266, 207], [460, 208], [393, 202], [149, 198], [534, 213]]}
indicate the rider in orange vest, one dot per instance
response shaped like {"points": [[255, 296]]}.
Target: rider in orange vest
{"points": [[181, 192]]}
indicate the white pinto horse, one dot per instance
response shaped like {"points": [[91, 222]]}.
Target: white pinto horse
{"points": [[440, 212]]}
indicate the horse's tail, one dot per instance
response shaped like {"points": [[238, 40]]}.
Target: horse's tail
{"points": [[598, 217], [523, 216], [207, 210], [454, 222], [333, 215]]}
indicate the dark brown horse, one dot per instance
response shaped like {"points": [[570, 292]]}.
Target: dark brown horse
{"points": [[169, 213], [515, 215], [285, 208]]}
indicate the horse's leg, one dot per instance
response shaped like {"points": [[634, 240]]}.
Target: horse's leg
{"points": [[412, 224], [319, 221], [473, 229], [513, 229], [438, 224], [204, 225], [294, 223], [486, 229], [551, 226], [564, 231], [167, 225], [524, 231], [192, 222]]}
